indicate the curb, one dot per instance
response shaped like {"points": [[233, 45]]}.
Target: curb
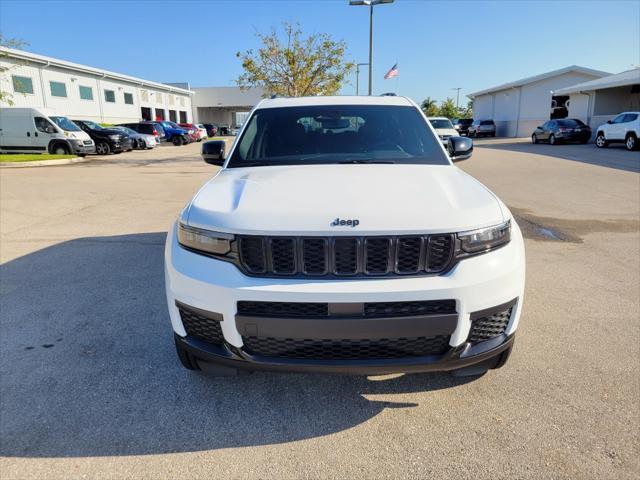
{"points": [[44, 163]]}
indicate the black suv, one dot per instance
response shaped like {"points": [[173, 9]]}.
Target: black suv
{"points": [[107, 140], [462, 125], [212, 130], [146, 128]]}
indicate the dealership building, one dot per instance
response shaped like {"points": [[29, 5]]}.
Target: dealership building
{"points": [[83, 92], [596, 101], [89, 93], [518, 107]]}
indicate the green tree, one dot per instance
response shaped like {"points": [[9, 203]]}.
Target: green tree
{"points": [[448, 109], [6, 97], [293, 65], [430, 107]]}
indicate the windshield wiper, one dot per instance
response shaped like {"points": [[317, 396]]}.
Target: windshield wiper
{"points": [[366, 161]]}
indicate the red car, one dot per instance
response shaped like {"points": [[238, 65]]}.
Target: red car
{"points": [[199, 134]]}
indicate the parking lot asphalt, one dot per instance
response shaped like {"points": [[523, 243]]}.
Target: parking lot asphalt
{"points": [[90, 386]]}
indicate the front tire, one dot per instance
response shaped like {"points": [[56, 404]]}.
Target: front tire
{"points": [[177, 141], [534, 138], [103, 148], [631, 142], [552, 140], [60, 149], [601, 142]]}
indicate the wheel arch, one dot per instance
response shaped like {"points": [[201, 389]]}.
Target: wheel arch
{"points": [[59, 141]]}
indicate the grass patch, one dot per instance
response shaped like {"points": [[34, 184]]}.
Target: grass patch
{"points": [[31, 157]]}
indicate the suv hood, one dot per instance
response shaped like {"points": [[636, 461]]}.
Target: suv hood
{"points": [[305, 200], [447, 131]]}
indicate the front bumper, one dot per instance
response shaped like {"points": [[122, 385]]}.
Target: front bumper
{"points": [[477, 283], [457, 357], [81, 148]]}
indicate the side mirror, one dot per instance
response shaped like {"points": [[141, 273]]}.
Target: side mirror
{"points": [[459, 148], [50, 129], [609, 121], [213, 152]]}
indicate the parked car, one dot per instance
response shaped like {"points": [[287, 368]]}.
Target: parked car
{"points": [[146, 128], [444, 129], [107, 140], [235, 130], [141, 141], [224, 129], [343, 279], [194, 129], [561, 131], [624, 128], [212, 130], [482, 128], [203, 130], [462, 125], [33, 130], [174, 133]]}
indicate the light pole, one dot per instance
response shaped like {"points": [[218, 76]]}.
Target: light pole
{"points": [[457, 95], [358, 65], [370, 4]]}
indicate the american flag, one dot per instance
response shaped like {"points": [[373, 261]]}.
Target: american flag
{"points": [[392, 73]]}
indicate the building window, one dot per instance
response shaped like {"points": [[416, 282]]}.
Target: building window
{"points": [[146, 113], [22, 84], [110, 96], [58, 89], [172, 116], [144, 95], [158, 98], [128, 98], [86, 93], [183, 117], [159, 114]]}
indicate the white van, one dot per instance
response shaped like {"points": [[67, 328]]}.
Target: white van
{"points": [[34, 130]]}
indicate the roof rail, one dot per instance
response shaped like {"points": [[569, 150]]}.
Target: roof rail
{"points": [[388, 94]]}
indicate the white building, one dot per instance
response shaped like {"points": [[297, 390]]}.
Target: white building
{"points": [[519, 107], [227, 105], [88, 93], [597, 101]]}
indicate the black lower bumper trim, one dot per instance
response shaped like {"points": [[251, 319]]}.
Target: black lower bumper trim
{"points": [[457, 357]]}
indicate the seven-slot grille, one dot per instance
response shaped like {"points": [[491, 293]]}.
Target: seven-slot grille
{"points": [[346, 256]]}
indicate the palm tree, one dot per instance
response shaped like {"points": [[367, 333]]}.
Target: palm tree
{"points": [[429, 106]]}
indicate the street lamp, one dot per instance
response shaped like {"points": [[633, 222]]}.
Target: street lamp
{"points": [[457, 95], [358, 65], [370, 4]]}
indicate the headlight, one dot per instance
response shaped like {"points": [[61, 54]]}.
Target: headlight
{"points": [[204, 240], [115, 138], [484, 239]]}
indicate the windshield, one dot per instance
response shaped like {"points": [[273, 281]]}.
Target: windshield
{"points": [[440, 123], [170, 125], [91, 125], [337, 134], [65, 124], [126, 130]]}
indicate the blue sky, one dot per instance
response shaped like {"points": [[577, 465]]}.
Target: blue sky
{"points": [[438, 44]]}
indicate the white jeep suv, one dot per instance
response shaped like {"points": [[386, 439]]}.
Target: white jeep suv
{"points": [[624, 128], [339, 237]]}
